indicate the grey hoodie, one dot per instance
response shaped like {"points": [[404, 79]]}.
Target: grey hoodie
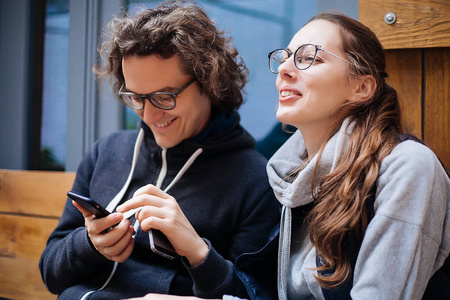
{"points": [[407, 240]]}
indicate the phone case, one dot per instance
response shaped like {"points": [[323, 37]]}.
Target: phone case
{"points": [[160, 244], [90, 205]]}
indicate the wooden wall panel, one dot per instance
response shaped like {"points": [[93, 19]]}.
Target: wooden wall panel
{"points": [[404, 67], [420, 23], [437, 103], [421, 35]]}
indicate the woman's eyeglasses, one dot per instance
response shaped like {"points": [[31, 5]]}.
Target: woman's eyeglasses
{"points": [[161, 100], [304, 57]]}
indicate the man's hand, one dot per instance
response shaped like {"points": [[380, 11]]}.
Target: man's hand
{"points": [[162, 212], [114, 243]]}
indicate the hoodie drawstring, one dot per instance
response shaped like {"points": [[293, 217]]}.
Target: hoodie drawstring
{"points": [[284, 250], [116, 200], [162, 174]]}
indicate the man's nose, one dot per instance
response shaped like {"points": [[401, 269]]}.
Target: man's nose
{"points": [[151, 113]]}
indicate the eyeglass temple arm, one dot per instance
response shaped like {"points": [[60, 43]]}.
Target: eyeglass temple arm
{"points": [[321, 49], [185, 86]]}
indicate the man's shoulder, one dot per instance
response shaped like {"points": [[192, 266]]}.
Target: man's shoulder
{"points": [[123, 137]]}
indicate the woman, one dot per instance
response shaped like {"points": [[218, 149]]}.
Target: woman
{"points": [[365, 208], [364, 214]]}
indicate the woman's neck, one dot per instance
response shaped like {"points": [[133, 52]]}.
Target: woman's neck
{"points": [[313, 136]]}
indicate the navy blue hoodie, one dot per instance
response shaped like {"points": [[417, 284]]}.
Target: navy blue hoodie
{"points": [[225, 195]]}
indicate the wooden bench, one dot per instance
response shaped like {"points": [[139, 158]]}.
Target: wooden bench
{"points": [[31, 203]]}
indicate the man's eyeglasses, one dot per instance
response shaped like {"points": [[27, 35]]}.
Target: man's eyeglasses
{"points": [[161, 100], [304, 57]]}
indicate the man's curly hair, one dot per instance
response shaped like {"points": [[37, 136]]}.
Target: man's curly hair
{"points": [[182, 28]]}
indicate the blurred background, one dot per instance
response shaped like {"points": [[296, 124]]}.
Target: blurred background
{"points": [[52, 109]]}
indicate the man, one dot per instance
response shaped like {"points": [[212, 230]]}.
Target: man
{"points": [[190, 173]]}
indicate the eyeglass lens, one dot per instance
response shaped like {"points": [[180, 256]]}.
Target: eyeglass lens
{"points": [[163, 101], [303, 58], [133, 101]]}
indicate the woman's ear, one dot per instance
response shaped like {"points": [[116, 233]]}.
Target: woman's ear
{"points": [[363, 89]]}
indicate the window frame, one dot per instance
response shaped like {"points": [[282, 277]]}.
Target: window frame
{"points": [[92, 110]]}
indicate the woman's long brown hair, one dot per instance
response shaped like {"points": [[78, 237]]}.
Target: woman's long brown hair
{"points": [[341, 195]]}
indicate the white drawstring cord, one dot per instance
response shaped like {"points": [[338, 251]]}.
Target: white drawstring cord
{"points": [[162, 174], [116, 200], [186, 166]]}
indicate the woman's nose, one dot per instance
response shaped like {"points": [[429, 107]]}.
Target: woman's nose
{"points": [[287, 69]]}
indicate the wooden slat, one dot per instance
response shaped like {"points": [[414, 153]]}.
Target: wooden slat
{"points": [[420, 23], [20, 279], [40, 193], [404, 67], [31, 203], [437, 103], [22, 240], [24, 237]]}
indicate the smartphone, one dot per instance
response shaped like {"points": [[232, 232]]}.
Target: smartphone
{"points": [[90, 205], [160, 244]]}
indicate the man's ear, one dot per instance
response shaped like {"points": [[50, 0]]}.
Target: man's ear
{"points": [[363, 88]]}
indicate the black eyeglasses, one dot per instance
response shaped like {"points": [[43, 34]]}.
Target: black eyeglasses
{"points": [[161, 100], [304, 57]]}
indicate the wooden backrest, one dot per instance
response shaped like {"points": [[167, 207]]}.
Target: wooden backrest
{"points": [[31, 203]]}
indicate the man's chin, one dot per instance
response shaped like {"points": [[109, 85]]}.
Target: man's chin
{"points": [[166, 143]]}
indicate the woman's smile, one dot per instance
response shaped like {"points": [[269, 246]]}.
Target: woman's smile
{"points": [[287, 94]]}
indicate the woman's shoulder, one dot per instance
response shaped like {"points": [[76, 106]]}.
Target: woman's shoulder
{"points": [[410, 177], [411, 156]]}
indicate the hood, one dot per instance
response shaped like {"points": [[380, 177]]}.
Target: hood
{"points": [[222, 134], [294, 191]]}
